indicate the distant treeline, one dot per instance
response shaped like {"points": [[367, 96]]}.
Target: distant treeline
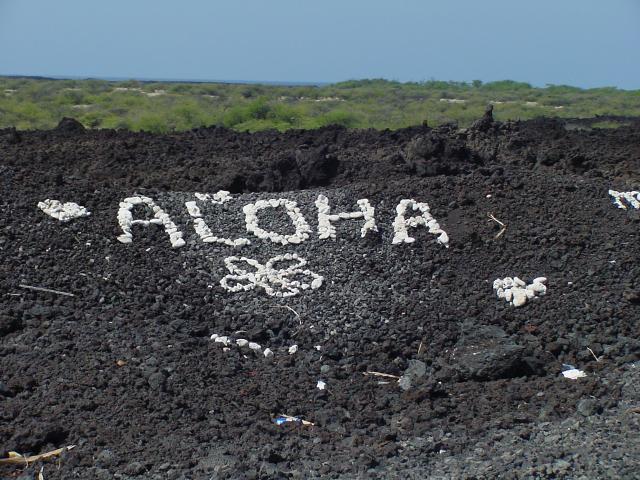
{"points": [[29, 103]]}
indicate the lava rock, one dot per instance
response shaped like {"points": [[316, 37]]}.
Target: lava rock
{"points": [[488, 353], [70, 126]]}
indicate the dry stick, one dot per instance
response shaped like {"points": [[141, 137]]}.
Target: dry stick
{"points": [[21, 459], [504, 227], [42, 289], [380, 374], [420, 347], [594, 355], [289, 308]]}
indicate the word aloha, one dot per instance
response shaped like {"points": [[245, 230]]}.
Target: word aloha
{"points": [[326, 220]]}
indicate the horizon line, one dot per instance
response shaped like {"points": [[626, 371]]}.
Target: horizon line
{"points": [[281, 83]]}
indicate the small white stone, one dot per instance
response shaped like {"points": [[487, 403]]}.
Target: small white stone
{"points": [[293, 349], [321, 385], [508, 294], [519, 297], [254, 346], [241, 342], [267, 353]]}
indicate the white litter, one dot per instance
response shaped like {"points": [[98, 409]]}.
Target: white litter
{"points": [[573, 374], [267, 353], [619, 199], [321, 385], [293, 349]]}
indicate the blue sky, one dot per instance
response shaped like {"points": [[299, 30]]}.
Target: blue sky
{"points": [[586, 43]]}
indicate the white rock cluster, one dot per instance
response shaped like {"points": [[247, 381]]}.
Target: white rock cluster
{"points": [[202, 229], [243, 342], [63, 211], [126, 221], [325, 219], [632, 198], [401, 223], [517, 292], [268, 276], [302, 227]]}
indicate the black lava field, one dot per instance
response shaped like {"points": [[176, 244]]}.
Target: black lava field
{"points": [[292, 355]]}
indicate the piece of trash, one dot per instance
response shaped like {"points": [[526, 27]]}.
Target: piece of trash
{"points": [[321, 385], [282, 419], [573, 374], [293, 349]]}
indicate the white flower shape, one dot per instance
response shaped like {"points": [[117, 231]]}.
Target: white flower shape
{"points": [[276, 282]]}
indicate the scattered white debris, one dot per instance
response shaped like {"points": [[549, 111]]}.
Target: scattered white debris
{"points": [[574, 374], [531, 104], [126, 221], [453, 100], [517, 292], [267, 276], [293, 349], [302, 227], [632, 198], [318, 347], [218, 198], [267, 353], [401, 223], [321, 385], [63, 211], [255, 346], [327, 230]]}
